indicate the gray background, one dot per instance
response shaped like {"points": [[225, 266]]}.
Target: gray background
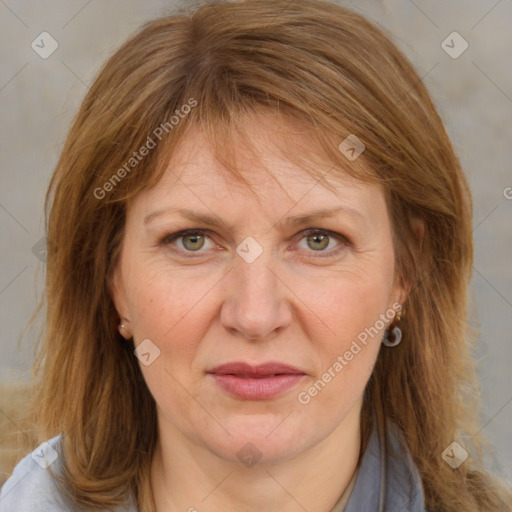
{"points": [[38, 98]]}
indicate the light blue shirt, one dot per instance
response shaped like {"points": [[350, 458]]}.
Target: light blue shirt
{"points": [[31, 487]]}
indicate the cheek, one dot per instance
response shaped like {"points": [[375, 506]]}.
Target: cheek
{"points": [[174, 310], [161, 301], [343, 305], [165, 310], [346, 357], [346, 327]]}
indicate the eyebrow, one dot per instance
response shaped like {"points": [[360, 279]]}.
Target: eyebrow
{"points": [[214, 221]]}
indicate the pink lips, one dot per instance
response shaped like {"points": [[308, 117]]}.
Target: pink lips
{"points": [[261, 382]]}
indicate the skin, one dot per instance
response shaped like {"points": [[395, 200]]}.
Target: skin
{"points": [[207, 307]]}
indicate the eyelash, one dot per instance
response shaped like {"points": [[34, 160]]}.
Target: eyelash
{"points": [[345, 242]]}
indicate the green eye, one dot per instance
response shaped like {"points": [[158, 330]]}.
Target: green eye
{"points": [[320, 240], [193, 242], [317, 240]]}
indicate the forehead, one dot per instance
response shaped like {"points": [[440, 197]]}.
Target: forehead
{"points": [[273, 157]]}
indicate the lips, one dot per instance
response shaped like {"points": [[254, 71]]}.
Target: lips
{"points": [[241, 369], [259, 382]]}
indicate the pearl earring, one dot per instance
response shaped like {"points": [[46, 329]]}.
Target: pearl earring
{"points": [[122, 328]]}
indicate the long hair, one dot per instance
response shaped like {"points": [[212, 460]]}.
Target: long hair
{"points": [[335, 74]]}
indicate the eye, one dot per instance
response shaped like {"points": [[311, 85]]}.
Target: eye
{"points": [[317, 240], [191, 240]]}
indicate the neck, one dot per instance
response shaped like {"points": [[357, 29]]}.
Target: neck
{"points": [[187, 476]]}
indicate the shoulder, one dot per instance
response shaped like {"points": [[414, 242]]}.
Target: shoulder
{"points": [[32, 486]]}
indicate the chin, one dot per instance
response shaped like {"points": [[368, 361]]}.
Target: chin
{"points": [[260, 439]]}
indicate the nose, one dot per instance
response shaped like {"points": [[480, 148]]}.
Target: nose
{"points": [[257, 301]]}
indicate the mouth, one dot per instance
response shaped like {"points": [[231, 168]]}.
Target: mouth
{"points": [[256, 382]]}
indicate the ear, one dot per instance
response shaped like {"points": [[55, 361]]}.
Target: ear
{"points": [[402, 289], [399, 293], [117, 292], [418, 228]]}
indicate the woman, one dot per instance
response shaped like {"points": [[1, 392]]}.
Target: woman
{"points": [[259, 246]]}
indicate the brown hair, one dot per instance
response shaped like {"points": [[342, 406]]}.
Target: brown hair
{"points": [[337, 74]]}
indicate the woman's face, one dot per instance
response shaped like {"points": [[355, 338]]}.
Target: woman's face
{"points": [[311, 306]]}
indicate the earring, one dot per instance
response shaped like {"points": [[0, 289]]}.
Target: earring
{"points": [[394, 339], [393, 336], [122, 327]]}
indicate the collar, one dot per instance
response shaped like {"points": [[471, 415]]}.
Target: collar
{"points": [[387, 478]]}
